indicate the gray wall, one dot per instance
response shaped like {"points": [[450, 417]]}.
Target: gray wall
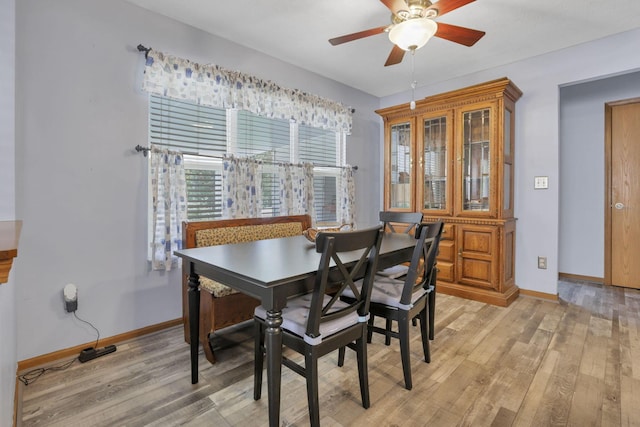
{"points": [[582, 167], [8, 355], [538, 141], [82, 190]]}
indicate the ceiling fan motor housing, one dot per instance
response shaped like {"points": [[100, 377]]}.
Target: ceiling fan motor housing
{"points": [[415, 9]]}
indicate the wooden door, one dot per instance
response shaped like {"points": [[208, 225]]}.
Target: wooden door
{"points": [[476, 161], [399, 180], [434, 176], [478, 256], [622, 211]]}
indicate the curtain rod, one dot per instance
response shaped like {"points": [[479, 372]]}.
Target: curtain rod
{"points": [[146, 51], [139, 148]]}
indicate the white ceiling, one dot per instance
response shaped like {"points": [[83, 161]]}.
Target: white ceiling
{"points": [[297, 32]]}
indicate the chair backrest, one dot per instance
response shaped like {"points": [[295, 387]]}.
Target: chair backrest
{"points": [[408, 220], [340, 247], [423, 261]]}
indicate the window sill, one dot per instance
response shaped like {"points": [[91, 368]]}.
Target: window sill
{"points": [[9, 236]]}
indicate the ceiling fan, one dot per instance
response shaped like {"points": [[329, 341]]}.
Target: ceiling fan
{"points": [[412, 25]]}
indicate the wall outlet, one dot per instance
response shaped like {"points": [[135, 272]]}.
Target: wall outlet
{"points": [[70, 294], [542, 262], [540, 182]]}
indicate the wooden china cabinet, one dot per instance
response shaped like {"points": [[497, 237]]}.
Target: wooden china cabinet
{"points": [[452, 158]]}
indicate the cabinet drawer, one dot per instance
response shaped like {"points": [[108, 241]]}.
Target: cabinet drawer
{"points": [[447, 251], [448, 232], [445, 271]]}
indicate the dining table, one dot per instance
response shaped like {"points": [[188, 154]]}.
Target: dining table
{"points": [[271, 270]]}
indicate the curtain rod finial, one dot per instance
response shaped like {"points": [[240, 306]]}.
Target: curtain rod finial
{"points": [[144, 150], [146, 50]]}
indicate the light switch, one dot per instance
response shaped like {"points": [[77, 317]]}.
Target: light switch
{"points": [[541, 182]]}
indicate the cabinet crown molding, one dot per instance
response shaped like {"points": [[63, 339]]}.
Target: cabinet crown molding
{"points": [[487, 91]]}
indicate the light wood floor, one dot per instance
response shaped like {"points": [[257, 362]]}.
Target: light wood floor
{"points": [[535, 363]]}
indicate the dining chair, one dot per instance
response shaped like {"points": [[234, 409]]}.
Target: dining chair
{"points": [[399, 222], [316, 323], [402, 300]]}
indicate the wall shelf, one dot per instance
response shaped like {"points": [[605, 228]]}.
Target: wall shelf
{"points": [[9, 237]]}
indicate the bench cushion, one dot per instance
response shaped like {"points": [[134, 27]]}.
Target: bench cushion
{"points": [[240, 234]]}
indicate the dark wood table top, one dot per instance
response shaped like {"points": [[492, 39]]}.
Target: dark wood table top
{"points": [[270, 268]]}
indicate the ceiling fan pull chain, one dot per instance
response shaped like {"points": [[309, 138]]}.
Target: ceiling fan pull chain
{"points": [[414, 83]]}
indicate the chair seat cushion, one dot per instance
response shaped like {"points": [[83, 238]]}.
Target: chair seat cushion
{"points": [[388, 291], [295, 315], [395, 271]]}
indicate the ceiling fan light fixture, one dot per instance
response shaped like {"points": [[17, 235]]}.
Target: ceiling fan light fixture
{"points": [[412, 34]]}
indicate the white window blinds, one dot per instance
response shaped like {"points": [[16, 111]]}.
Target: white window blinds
{"points": [[186, 127], [206, 133]]}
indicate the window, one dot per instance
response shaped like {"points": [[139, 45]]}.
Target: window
{"points": [[319, 146], [268, 140], [206, 133]]}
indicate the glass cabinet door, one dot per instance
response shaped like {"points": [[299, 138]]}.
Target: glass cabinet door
{"points": [[400, 190], [434, 164], [476, 182]]}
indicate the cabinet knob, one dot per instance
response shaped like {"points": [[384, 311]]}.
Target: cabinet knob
{"points": [[619, 206]]}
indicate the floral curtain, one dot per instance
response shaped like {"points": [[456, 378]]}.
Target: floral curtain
{"points": [[346, 209], [241, 188], [169, 196], [296, 189], [212, 85]]}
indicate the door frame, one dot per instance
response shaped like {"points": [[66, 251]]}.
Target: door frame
{"points": [[608, 167]]}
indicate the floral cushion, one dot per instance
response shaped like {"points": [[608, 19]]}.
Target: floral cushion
{"points": [[216, 288], [240, 234]]}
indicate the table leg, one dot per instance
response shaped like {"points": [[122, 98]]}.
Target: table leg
{"points": [[273, 344], [194, 323]]}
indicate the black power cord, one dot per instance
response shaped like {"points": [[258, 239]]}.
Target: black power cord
{"points": [[94, 328], [34, 374], [31, 376]]}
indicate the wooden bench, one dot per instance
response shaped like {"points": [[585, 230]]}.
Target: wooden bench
{"points": [[221, 306]]}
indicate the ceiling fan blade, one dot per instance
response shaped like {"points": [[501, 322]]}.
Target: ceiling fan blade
{"points": [[395, 57], [359, 35], [446, 6], [396, 5], [462, 35]]}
